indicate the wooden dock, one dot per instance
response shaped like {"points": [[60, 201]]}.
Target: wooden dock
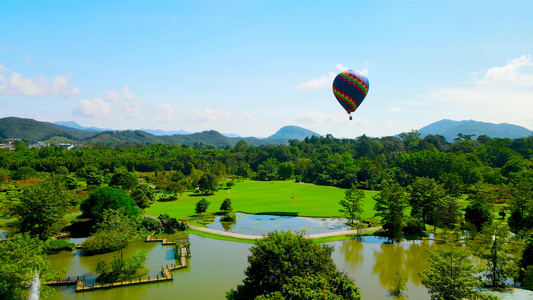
{"points": [[164, 241], [166, 275], [67, 281]]}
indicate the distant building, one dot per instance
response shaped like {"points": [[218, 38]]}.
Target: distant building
{"points": [[66, 146], [12, 141], [38, 145]]}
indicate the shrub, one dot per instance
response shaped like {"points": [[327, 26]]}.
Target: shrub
{"points": [[229, 216], [52, 246]]}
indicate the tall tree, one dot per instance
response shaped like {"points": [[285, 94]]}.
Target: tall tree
{"points": [[425, 194], [109, 198], [499, 256], [279, 258], [201, 206], [20, 258], [391, 203], [143, 195], [42, 206], [125, 180], [352, 204], [208, 183], [451, 276]]}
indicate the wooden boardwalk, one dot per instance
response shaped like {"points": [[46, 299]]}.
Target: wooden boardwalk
{"points": [[165, 273]]}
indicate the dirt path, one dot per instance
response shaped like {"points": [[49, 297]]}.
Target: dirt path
{"points": [[253, 237]]}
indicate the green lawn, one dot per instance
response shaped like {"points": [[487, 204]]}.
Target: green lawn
{"points": [[263, 197]]}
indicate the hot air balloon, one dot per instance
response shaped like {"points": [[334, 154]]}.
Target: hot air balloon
{"points": [[350, 88]]}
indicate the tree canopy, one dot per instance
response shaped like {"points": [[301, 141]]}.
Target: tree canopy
{"points": [[107, 198], [277, 261], [42, 206]]}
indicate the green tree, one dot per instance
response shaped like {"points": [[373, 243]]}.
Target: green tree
{"points": [[20, 258], [201, 206], [499, 256], [23, 173], [447, 212], [226, 205], [268, 170], [352, 204], [208, 183], [143, 195], [94, 179], [109, 198], [391, 203], [451, 276], [115, 232], [4, 177], [526, 263], [277, 259], [425, 195], [120, 268], [230, 184], [286, 170], [20, 145], [126, 180], [42, 206], [478, 214], [315, 287]]}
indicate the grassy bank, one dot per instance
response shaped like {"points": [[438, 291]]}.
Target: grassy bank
{"points": [[264, 197]]}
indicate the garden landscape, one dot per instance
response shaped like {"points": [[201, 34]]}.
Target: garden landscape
{"points": [[421, 199], [266, 150]]}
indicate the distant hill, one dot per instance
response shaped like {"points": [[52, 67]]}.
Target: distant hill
{"points": [[32, 131], [163, 132], [293, 132], [75, 125], [449, 129]]}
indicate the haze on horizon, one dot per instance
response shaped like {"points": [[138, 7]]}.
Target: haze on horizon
{"points": [[250, 68]]}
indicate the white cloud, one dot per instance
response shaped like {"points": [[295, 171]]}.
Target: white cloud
{"points": [[114, 96], [94, 107], [395, 109], [486, 105], [503, 95], [518, 72], [3, 69], [164, 113], [38, 86], [323, 81]]}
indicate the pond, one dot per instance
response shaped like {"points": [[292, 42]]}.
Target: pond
{"points": [[217, 266], [260, 224]]}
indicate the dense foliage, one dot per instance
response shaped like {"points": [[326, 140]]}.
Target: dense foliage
{"points": [[283, 260], [107, 198], [21, 258]]}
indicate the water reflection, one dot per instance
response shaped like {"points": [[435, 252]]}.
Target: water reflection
{"points": [[217, 266], [352, 251], [260, 224]]}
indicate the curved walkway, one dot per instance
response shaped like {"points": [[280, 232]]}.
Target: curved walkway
{"points": [[253, 237]]}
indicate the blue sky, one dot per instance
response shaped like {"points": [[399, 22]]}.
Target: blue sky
{"points": [[251, 67]]}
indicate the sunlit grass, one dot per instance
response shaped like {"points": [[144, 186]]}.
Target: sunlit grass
{"points": [[264, 197]]}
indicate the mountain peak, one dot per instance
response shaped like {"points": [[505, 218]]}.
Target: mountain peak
{"points": [[449, 129], [293, 132]]}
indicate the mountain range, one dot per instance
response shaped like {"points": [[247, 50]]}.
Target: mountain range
{"points": [[32, 131], [449, 129]]}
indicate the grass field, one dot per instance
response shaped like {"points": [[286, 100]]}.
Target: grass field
{"points": [[263, 197]]}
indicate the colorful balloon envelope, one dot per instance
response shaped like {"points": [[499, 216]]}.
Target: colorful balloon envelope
{"points": [[350, 88]]}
